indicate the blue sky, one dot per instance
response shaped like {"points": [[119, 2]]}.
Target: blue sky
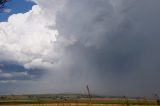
{"points": [[17, 6]]}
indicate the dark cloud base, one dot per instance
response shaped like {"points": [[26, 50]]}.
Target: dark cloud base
{"points": [[122, 58]]}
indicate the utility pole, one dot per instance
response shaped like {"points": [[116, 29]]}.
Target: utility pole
{"points": [[89, 94]]}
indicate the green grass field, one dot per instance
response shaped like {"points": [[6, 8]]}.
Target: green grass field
{"points": [[71, 100]]}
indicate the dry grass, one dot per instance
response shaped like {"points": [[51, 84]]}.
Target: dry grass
{"points": [[73, 104]]}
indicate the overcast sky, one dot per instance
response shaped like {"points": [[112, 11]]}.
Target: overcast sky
{"points": [[60, 46]]}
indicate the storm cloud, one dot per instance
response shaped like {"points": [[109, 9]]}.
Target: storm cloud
{"points": [[112, 45]]}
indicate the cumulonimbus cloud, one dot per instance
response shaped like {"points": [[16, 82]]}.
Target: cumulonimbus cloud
{"points": [[27, 39], [112, 45]]}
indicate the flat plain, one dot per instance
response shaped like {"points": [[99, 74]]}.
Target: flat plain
{"points": [[73, 100]]}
